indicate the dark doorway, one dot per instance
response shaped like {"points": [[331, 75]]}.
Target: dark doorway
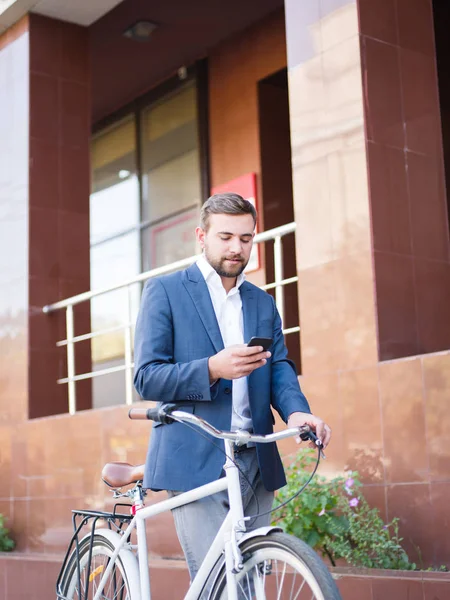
{"points": [[441, 13], [276, 184]]}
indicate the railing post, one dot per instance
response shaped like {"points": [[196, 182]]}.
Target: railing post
{"points": [[128, 351], [70, 334], [278, 264]]}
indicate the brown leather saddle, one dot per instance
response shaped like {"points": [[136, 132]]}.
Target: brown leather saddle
{"points": [[119, 474]]}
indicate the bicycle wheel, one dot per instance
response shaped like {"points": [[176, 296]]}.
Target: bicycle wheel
{"points": [[282, 567], [120, 583]]}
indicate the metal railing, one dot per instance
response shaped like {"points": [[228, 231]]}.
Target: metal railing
{"points": [[276, 235]]}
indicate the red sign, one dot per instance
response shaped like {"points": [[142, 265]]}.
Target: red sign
{"points": [[245, 186]]}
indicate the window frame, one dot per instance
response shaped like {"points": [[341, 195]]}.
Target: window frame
{"points": [[197, 73]]}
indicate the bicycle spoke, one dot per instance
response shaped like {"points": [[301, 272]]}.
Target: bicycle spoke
{"points": [[282, 581], [249, 587], [293, 585], [276, 571], [296, 573], [241, 588], [260, 584], [299, 591], [114, 589], [253, 584], [82, 594]]}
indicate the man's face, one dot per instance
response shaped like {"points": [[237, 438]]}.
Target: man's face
{"points": [[227, 243]]}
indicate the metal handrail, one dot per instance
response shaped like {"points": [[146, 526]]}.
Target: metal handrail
{"points": [[265, 236], [275, 234]]}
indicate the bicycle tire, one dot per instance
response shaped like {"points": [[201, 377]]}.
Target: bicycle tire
{"points": [[121, 581], [277, 546]]}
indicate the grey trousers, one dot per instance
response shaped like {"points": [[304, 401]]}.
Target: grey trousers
{"points": [[197, 523]]}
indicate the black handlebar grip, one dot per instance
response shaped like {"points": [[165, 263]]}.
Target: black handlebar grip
{"points": [[156, 414]]}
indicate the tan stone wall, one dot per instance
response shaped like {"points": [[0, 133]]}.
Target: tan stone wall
{"points": [[389, 419]]}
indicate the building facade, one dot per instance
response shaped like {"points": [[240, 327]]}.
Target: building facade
{"points": [[115, 124]]}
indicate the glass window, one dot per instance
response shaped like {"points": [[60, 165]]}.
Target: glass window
{"points": [[170, 177], [115, 250], [142, 216], [114, 204]]}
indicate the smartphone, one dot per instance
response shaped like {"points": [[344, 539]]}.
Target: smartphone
{"points": [[261, 341]]}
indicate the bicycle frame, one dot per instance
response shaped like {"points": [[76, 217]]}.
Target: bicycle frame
{"points": [[231, 531]]}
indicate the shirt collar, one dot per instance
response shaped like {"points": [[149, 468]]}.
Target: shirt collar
{"points": [[211, 276]]}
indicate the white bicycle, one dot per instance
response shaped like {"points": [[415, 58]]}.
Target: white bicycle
{"points": [[263, 564]]}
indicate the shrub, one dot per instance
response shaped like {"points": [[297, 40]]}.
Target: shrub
{"points": [[6, 543], [334, 518]]}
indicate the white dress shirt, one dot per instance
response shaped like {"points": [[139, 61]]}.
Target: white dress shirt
{"points": [[228, 309]]}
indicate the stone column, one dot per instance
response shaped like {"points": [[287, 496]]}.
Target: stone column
{"points": [[406, 176], [44, 204], [372, 250], [331, 197], [58, 206], [14, 94]]}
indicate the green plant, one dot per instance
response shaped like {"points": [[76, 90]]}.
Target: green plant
{"points": [[440, 568], [6, 543], [333, 517]]}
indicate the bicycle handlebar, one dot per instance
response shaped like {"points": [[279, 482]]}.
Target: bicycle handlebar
{"points": [[168, 413], [156, 413]]}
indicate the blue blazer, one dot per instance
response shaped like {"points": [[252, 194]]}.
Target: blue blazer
{"points": [[176, 333]]}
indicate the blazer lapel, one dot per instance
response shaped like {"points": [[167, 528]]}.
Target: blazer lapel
{"points": [[250, 312], [198, 290]]}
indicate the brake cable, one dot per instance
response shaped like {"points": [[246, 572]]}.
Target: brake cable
{"points": [[305, 436]]}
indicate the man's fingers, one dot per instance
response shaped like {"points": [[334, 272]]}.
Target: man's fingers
{"points": [[256, 358], [250, 367], [248, 351], [248, 358], [323, 432], [245, 362], [243, 350], [326, 441], [320, 431]]}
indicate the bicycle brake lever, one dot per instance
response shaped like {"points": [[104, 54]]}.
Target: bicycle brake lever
{"points": [[164, 411], [309, 435]]}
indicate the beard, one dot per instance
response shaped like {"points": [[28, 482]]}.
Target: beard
{"points": [[225, 269]]}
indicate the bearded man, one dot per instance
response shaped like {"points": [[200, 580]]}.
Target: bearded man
{"points": [[191, 345]]}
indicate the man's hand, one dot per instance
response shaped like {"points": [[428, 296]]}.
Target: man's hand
{"points": [[320, 428], [236, 361]]}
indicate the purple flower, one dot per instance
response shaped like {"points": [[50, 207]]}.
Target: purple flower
{"points": [[353, 502], [322, 512], [348, 486]]}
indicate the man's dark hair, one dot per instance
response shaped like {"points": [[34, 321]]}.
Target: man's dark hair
{"points": [[225, 204]]}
